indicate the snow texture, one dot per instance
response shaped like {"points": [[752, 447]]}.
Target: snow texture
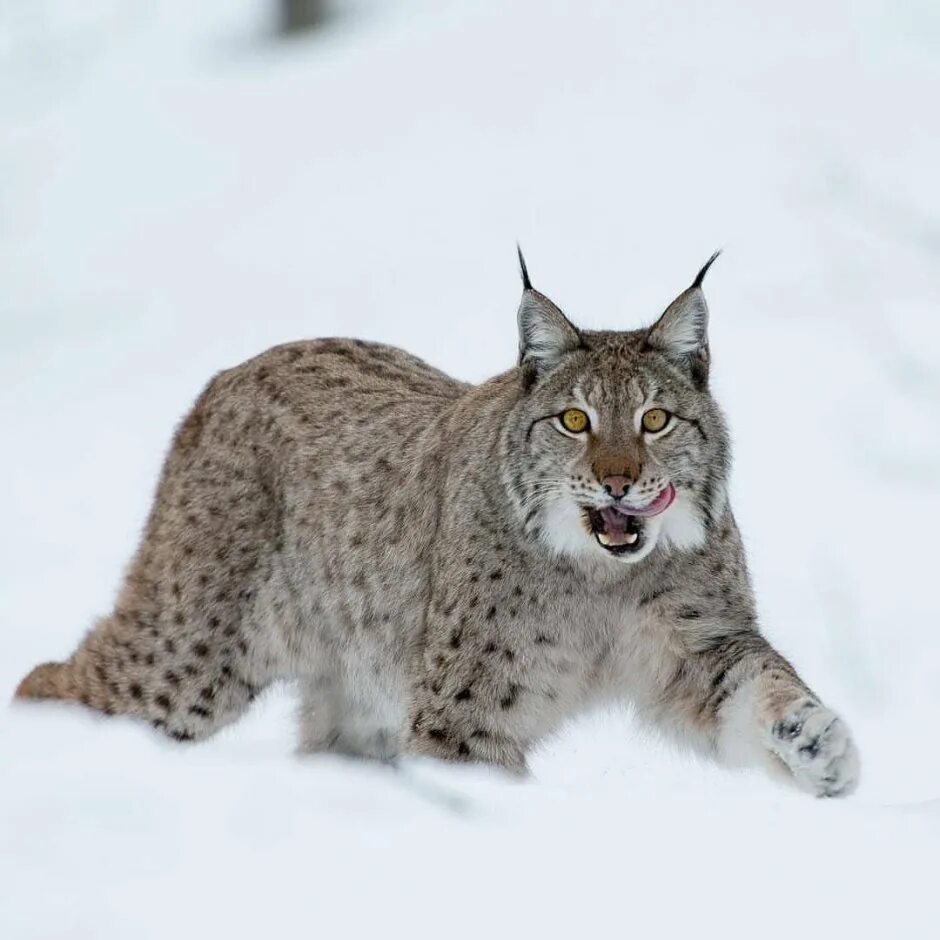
{"points": [[181, 190]]}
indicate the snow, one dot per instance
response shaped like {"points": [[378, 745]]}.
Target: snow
{"points": [[180, 191]]}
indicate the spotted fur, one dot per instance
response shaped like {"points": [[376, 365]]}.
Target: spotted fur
{"points": [[415, 552]]}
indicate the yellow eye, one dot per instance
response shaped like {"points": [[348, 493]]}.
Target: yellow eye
{"points": [[655, 419], [575, 420]]}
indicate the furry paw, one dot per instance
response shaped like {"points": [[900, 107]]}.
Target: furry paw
{"points": [[814, 742]]}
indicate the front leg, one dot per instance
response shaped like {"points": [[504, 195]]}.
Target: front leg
{"points": [[759, 710]]}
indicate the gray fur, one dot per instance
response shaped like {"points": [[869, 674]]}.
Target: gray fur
{"points": [[413, 551]]}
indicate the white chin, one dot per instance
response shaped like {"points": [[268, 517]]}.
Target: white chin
{"points": [[564, 533]]}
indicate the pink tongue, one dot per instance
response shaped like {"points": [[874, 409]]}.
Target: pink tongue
{"points": [[662, 502], [615, 526], [617, 518]]}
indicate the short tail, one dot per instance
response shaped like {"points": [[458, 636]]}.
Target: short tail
{"points": [[48, 681]]}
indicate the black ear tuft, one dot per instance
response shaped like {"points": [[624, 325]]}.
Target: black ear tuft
{"points": [[700, 277], [681, 333], [545, 333], [523, 270]]}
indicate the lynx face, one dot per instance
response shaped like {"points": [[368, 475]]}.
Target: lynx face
{"points": [[616, 443]]}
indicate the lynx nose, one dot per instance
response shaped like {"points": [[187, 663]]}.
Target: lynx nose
{"points": [[617, 486]]}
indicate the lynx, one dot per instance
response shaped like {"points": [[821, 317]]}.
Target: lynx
{"points": [[455, 570]]}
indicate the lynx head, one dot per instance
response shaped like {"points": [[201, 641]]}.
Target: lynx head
{"points": [[615, 444]]}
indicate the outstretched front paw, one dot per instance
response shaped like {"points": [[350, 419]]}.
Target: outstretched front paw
{"points": [[814, 742]]}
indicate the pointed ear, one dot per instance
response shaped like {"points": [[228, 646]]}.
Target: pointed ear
{"points": [[545, 333], [681, 333]]}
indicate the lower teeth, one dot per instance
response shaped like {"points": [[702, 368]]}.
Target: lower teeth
{"points": [[605, 539]]}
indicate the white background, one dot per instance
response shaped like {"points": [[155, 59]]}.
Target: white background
{"points": [[179, 190]]}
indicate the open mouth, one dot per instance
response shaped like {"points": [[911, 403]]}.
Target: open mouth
{"points": [[620, 528]]}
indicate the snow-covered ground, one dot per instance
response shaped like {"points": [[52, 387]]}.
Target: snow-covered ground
{"points": [[179, 191]]}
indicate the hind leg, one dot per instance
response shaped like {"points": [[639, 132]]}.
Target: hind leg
{"points": [[188, 646], [340, 719], [184, 685]]}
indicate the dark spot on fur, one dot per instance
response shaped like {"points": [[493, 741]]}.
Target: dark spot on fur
{"points": [[463, 749], [169, 646], [719, 677], [172, 678], [491, 613], [436, 734], [163, 701], [541, 638], [463, 695], [200, 711], [490, 647], [689, 613], [510, 698], [136, 691], [652, 596], [201, 650]]}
